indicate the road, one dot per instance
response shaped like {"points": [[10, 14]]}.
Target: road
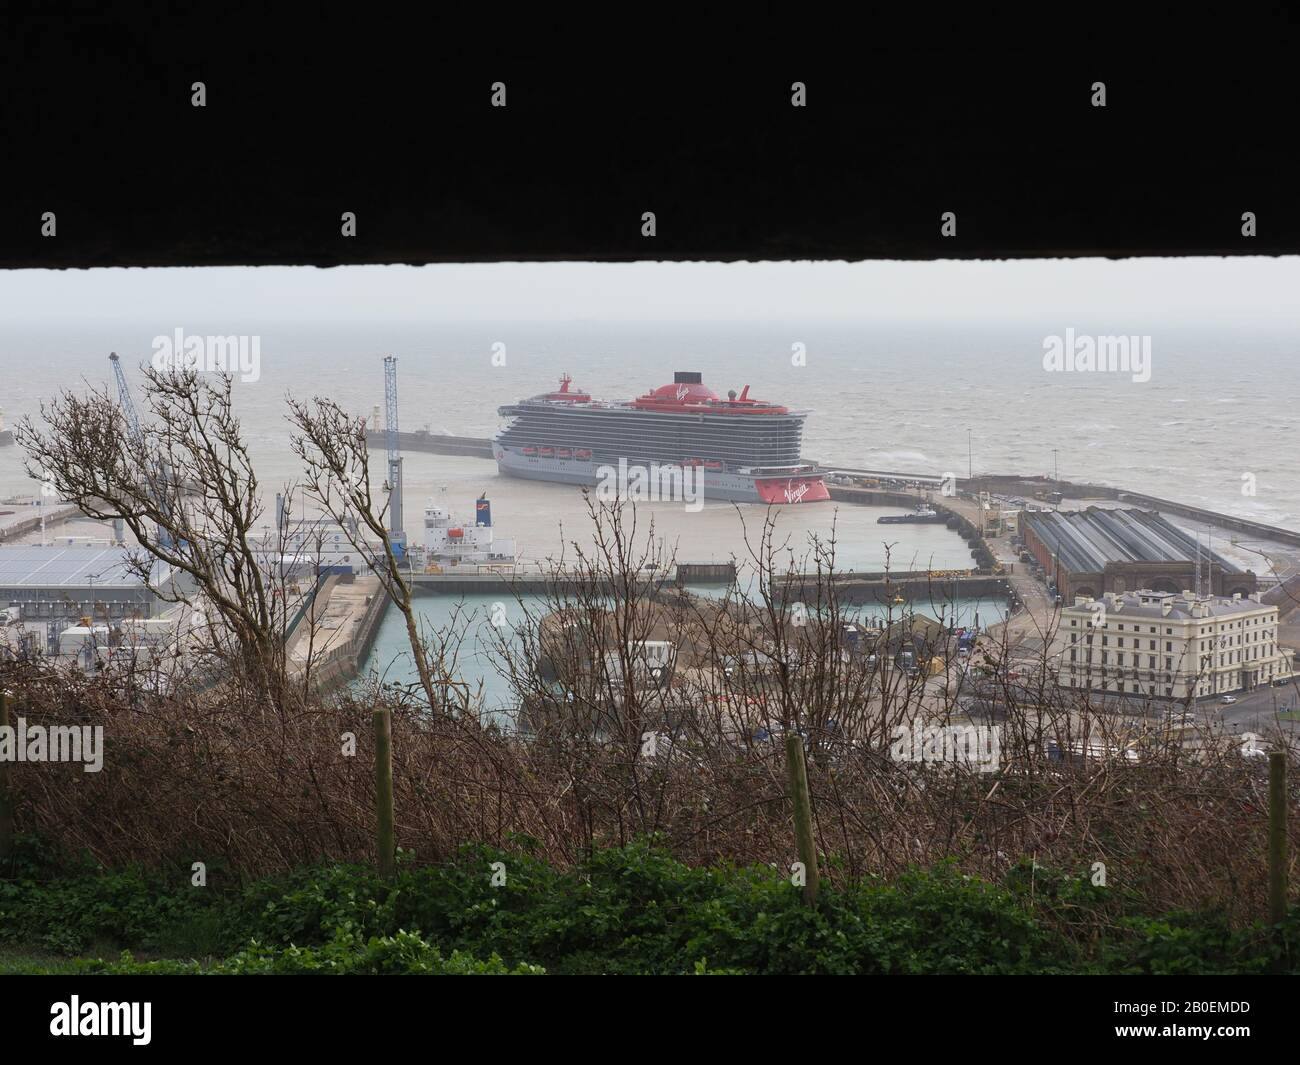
{"points": [[1038, 615], [1255, 711]]}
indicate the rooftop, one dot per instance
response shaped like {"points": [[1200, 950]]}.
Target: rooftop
{"points": [[68, 566], [1150, 604], [1084, 541]]}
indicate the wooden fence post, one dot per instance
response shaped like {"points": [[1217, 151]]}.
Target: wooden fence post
{"points": [[384, 790], [6, 796], [797, 771], [1277, 819]]}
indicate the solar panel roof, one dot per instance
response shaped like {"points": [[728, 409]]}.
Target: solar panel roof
{"points": [[68, 566]]}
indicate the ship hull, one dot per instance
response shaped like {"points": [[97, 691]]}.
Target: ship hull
{"points": [[722, 485]]}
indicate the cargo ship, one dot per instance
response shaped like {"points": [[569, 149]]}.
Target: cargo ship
{"points": [[741, 449], [449, 543]]}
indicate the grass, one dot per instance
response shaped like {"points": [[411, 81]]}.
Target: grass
{"points": [[622, 910], [20, 961], [32, 960]]}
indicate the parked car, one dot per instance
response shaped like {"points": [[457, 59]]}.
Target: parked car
{"points": [[1228, 699]]}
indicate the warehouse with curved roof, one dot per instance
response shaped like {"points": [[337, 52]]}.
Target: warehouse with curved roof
{"points": [[1098, 550]]}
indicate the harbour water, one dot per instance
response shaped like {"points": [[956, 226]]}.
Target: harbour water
{"points": [[468, 625]]}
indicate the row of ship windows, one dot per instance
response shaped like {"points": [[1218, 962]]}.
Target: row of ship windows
{"points": [[623, 425], [559, 436], [625, 416], [667, 454]]}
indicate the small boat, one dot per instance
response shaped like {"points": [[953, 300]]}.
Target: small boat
{"points": [[546, 452], [713, 464], [583, 453], [530, 451], [563, 453], [923, 515]]}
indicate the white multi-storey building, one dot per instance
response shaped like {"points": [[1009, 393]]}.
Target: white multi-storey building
{"points": [[1168, 644]]}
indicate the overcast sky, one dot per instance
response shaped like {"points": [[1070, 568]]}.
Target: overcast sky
{"points": [[1246, 290]]}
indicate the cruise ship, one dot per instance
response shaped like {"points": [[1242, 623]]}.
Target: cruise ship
{"points": [[745, 450]]}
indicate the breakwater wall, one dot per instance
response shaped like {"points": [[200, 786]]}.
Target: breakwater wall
{"points": [[959, 523], [510, 584], [1015, 485], [337, 604], [914, 588], [434, 443], [1210, 517], [871, 497], [343, 662], [22, 525], [706, 573]]}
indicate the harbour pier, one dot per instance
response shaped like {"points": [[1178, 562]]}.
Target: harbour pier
{"points": [[434, 443]]}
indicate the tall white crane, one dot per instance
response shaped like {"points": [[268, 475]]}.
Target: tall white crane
{"points": [[395, 527]]}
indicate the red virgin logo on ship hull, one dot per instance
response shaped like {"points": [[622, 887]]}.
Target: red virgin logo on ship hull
{"points": [[792, 490]]}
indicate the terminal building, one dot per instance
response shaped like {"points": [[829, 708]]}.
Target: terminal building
{"points": [[57, 599], [1168, 645], [1097, 551], [74, 580]]}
